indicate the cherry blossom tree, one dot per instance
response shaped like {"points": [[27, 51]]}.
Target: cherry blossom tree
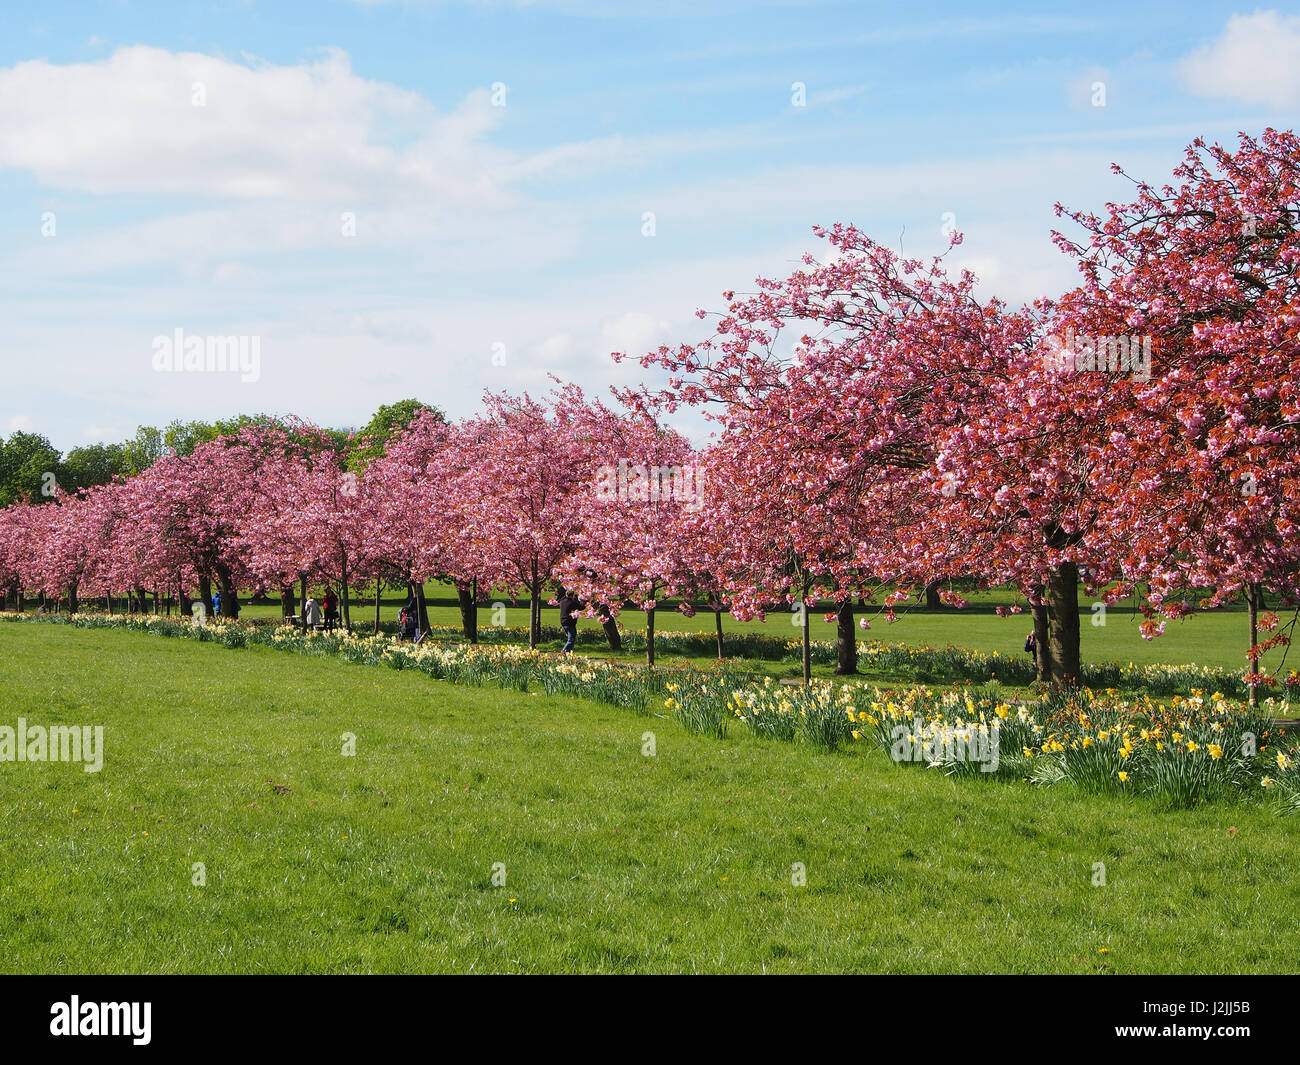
{"points": [[403, 507], [1204, 270], [533, 462], [627, 546]]}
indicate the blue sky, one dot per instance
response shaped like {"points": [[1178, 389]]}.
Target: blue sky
{"points": [[484, 230]]}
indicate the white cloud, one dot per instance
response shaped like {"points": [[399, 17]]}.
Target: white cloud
{"points": [[634, 332], [1256, 60], [20, 423], [390, 328], [557, 348], [108, 433], [315, 131]]}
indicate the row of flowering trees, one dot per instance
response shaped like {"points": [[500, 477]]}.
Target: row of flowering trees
{"points": [[881, 428], [526, 493]]}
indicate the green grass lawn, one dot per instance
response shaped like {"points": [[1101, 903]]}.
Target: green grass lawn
{"points": [[614, 861]]}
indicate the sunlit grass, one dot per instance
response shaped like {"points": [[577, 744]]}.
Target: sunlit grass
{"points": [[614, 860]]}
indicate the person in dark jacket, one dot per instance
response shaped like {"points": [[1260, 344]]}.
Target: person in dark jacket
{"points": [[569, 607], [331, 605]]}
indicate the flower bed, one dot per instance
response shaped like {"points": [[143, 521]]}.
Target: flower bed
{"points": [[924, 664]]}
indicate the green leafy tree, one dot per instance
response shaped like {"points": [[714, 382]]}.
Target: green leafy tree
{"points": [[29, 467], [142, 450], [372, 439], [92, 464]]}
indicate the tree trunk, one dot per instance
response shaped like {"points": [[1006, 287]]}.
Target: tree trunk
{"points": [[379, 591], [1063, 624], [650, 637], [534, 611], [468, 612], [286, 601], [807, 640], [1042, 636], [717, 626], [229, 597], [344, 596], [932, 600], [72, 598], [846, 641], [205, 592], [1252, 593], [610, 626], [422, 609], [303, 612]]}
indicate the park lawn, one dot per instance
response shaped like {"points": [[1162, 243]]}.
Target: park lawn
{"points": [[614, 861]]}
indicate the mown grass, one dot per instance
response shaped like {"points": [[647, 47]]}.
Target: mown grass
{"points": [[614, 861]]}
